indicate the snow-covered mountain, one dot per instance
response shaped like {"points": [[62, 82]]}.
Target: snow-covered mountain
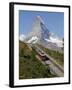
{"points": [[40, 34]]}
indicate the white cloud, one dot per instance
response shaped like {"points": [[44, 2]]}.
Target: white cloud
{"points": [[22, 37]]}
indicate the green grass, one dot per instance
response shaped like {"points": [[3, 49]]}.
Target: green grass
{"points": [[58, 57], [29, 66]]}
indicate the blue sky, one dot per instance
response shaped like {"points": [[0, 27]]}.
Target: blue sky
{"points": [[53, 20]]}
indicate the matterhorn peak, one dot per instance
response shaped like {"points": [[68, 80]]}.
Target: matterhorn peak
{"points": [[39, 29]]}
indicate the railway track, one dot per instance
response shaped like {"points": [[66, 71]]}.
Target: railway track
{"points": [[55, 68]]}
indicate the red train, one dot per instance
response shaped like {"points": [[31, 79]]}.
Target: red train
{"points": [[43, 56]]}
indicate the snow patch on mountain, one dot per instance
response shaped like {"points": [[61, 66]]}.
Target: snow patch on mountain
{"points": [[33, 39], [58, 42]]}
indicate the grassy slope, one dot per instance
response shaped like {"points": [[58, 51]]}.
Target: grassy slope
{"points": [[29, 65], [58, 57]]}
